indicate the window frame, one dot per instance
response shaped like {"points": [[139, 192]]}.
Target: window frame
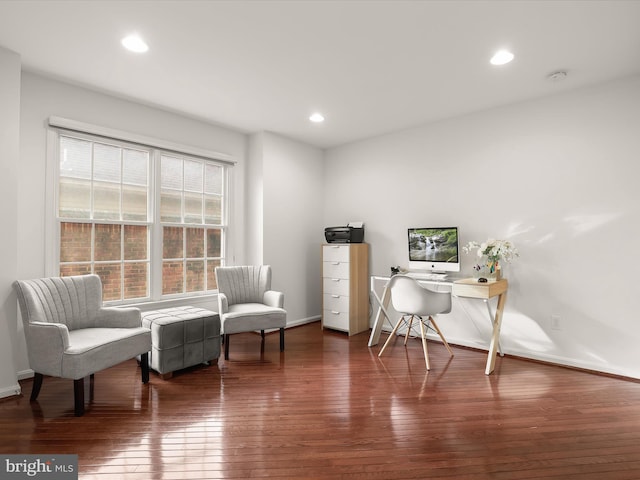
{"points": [[59, 127]]}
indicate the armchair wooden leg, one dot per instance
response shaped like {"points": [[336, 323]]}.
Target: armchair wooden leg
{"points": [[37, 385], [226, 346], [78, 395], [282, 339], [144, 367]]}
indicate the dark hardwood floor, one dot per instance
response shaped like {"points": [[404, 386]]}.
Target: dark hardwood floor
{"points": [[329, 408]]}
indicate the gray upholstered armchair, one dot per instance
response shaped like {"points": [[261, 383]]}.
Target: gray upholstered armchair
{"points": [[246, 302], [70, 334]]}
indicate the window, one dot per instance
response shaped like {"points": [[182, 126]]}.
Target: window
{"points": [[191, 202], [149, 222]]}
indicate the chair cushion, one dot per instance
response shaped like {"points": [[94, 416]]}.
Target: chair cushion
{"points": [[246, 317], [94, 349]]}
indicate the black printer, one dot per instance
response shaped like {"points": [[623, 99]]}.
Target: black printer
{"points": [[346, 234]]}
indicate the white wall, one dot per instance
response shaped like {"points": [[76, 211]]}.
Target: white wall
{"points": [[255, 201], [9, 154], [558, 176], [292, 174]]}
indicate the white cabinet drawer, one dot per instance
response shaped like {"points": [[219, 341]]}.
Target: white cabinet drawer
{"points": [[336, 320], [335, 269], [336, 302], [335, 253], [337, 286], [345, 299]]}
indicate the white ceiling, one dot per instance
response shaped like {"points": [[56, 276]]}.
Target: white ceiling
{"points": [[371, 67]]}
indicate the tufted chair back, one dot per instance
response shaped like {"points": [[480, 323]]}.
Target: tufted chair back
{"points": [[244, 284], [73, 301]]}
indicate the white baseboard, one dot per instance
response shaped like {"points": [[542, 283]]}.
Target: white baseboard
{"points": [[303, 321], [541, 357], [11, 391], [573, 363], [24, 374]]}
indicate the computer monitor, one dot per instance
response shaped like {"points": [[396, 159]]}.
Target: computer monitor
{"points": [[434, 249]]}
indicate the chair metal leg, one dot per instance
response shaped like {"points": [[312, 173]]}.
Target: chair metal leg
{"points": [[37, 385], [282, 339], [226, 346], [262, 334], [78, 396], [144, 367], [424, 345], [391, 335], [437, 329]]}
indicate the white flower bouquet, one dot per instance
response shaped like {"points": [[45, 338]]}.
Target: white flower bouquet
{"points": [[494, 250]]}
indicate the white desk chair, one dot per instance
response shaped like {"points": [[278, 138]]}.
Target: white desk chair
{"points": [[411, 300]]}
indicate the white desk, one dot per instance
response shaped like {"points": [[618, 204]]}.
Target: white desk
{"points": [[464, 287]]}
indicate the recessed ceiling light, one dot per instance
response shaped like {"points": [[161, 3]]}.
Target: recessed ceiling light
{"points": [[317, 118], [135, 44], [501, 57]]}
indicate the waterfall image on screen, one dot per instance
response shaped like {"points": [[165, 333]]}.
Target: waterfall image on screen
{"points": [[433, 245]]}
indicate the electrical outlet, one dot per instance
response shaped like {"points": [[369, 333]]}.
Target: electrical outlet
{"points": [[555, 322]]}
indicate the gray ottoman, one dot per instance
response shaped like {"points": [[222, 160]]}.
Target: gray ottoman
{"points": [[182, 337]]}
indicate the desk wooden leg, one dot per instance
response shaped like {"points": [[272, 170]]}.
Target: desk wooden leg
{"points": [[491, 318], [381, 314], [495, 337]]}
